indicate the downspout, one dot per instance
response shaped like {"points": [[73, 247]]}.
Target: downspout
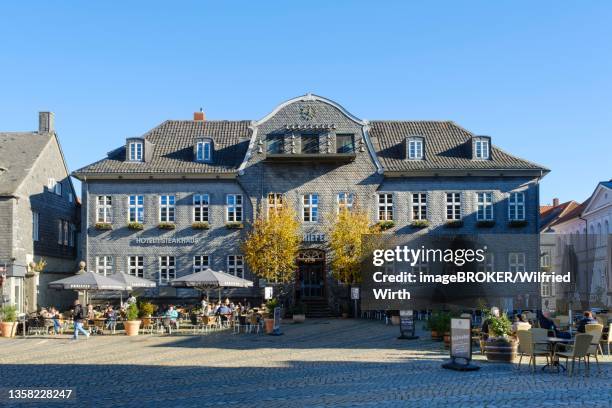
{"points": [[587, 273]]}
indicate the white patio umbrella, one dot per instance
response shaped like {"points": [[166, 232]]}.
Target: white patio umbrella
{"points": [[209, 279], [88, 281], [131, 281]]}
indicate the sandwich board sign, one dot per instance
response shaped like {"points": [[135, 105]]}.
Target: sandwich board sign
{"points": [[268, 292], [277, 322], [461, 346], [407, 325]]}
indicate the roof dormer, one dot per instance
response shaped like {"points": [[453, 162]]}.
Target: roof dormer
{"points": [[138, 149], [203, 150], [415, 148], [481, 148]]}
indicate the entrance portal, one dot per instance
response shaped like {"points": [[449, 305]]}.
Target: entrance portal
{"points": [[310, 279]]}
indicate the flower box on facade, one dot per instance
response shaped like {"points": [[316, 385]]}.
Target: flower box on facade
{"points": [[166, 225], [234, 225], [385, 225], [420, 224], [200, 225], [103, 226], [485, 223], [517, 223], [454, 224], [137, 226]]}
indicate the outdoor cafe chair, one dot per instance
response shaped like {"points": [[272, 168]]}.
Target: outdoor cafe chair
{"points": [[596, 330], [540, 338], [606, 337], [527, 347], [579, 350]]}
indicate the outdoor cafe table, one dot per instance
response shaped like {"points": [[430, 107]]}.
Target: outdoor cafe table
{"points": [[552, 343]]}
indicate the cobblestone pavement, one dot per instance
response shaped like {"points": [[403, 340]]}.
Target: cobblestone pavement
{"points": [[319, 363]]}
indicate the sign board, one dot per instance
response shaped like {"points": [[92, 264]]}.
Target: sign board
{"points": [[277, 319], [268, 292], [461, 339], [406, 324], [354, 293], [313, 237]]}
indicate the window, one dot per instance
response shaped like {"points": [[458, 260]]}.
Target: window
{"points": [[35, 230], [200, 207], [345, 201], [60, 232], [488, 264], [104, 209], [485, 207], [545, 259], [65, 230], [345, 143], [200, 263], [51, 182], [453, 206], [547, 289], [415, 148], [310, 207], [310, 143], [58, 189], [167, 270], [275, 144], [204, 151], [481, 147], [235, 265], [135, 151], [516, 206], [70, 197], [419, 206], [233, 209], [136, 266], [166, 208], [71, 235], [275, 202], [136, 208], [516, 262], [385, 207], [104, 265]]}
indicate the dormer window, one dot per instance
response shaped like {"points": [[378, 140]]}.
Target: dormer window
{"points": [[415, 148], [204, 150], [135, 151], [482, 148], [310, 143]]}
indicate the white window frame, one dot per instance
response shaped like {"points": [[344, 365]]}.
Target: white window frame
{"points": [[345, 200], [516, 206], [135, 151], [454, 205], [35, 226], [60, 231], [516, 262], [488, 264], [71, 235], [415, 148], [385, 205], [58, 188], [136, 265], [137, 208], [484, 206], [167, 210], [204, 150], [104, 265], [482, 149], [276, 201], [51, 182], [201, 263], [167, 268], [105, 208], [233, 208], [65, 228], [310, 207], [235, 265], [418, 206], [201, 207], [70, 197]]}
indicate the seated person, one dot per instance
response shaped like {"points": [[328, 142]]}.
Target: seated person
{"points": [[171, 318], [546, 323], [55, 316], [520, 323], [586, 319], [110, 317], [224, 311]]}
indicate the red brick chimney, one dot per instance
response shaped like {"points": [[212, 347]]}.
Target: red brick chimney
{"points": [[555, 202], [199, 116]]}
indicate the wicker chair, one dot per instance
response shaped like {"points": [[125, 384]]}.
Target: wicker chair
{"points": [[579, 350], [527, 347], [596, 330]]}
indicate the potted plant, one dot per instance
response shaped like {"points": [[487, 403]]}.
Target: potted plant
{"points": [[132, 324], [269, 320], [385, 225], [234, 225], [454, 224], [8, 315], [299, 312], [420, 224], [201, 225], [500, 346], [166, 225], [136, 226]]}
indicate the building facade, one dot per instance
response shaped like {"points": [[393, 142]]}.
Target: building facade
{"points": [[39, 217], [205, 179]]}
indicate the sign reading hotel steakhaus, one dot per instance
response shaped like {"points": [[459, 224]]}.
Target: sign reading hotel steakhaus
{"points": [[166, 241]]}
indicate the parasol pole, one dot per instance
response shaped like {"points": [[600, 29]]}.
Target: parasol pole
{"points": [[219, 294]]}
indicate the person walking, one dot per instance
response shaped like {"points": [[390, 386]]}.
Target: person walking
{"points": [[77, 316]]}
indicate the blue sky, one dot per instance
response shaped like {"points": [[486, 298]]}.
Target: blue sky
{"points": [[536, 76]]}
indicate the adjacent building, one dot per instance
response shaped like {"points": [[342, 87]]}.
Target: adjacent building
{"points": [[39, 217], [174, 200]]}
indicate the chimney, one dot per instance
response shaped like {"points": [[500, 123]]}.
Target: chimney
{"points": [[555, 202], [46, 122], [199, 116]]}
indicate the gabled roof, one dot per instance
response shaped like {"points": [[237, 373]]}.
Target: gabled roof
{"points": [[447, 147], [549, 214], [173, 143], [18, 153], [572, 213]]}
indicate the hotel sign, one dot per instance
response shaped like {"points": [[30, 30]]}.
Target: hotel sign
{"points": [[166, 241]]}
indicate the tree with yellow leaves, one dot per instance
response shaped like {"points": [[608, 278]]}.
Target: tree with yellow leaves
{"points": [[271, 247], [345, 243]]}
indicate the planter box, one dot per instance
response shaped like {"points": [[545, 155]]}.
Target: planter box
{"points": [[166, 225], [501, 350], [454, 224], [517, 223], [103, 226], [234, 225], [485, 223], [385, 225], [136, 226], [132, 327], [200, 225], [420, 224], [8, 329], [269, 325]]}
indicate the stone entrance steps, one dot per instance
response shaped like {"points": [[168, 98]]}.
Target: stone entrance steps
{"points": [[317, 308]]}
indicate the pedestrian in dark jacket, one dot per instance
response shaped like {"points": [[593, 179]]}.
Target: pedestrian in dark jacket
{"points": [[78, 316]]}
